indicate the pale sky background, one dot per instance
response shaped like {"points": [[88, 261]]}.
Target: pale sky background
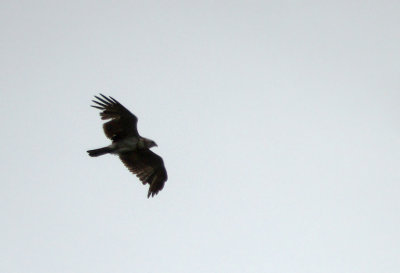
{"points": [[278, 122]]}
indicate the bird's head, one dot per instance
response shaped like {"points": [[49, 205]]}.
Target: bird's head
{"points": [[148, 143]]}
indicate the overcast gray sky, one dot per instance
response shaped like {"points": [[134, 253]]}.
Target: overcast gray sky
{"points": [[278, 122]]}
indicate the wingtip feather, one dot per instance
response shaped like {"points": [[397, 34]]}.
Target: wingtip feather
{"points": [[99, 103], [97, 107], [114, 100], [107, 99], [102, 100], [150, 193]]}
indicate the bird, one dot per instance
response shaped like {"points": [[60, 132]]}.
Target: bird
{"points": [[132, 149]]}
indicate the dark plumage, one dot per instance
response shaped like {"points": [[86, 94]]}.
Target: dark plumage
{"points": [[133, 149]]}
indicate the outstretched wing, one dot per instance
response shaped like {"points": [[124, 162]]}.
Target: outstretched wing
{"points": [[122, 124], [148, 167]]}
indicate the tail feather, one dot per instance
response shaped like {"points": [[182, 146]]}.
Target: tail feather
{"points": [[99, 152]]}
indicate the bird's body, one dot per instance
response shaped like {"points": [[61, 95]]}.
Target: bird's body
{"points": [[133, 149], [129, 144]]}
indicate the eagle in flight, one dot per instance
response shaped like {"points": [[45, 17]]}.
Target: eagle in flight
{"points": [[133, 149]]}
